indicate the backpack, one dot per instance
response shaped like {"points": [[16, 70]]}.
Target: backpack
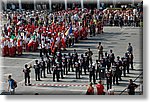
{"points": [[15, 84]]}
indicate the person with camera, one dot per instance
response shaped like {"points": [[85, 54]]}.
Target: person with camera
{"points": [[27, 71]]}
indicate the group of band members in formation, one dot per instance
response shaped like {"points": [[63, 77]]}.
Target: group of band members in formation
{"points": [[106, 67], [33, 30]]}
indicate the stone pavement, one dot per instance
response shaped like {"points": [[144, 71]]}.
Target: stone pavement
{"points": [[113, 38]]}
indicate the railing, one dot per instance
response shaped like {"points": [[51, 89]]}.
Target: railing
{"points": [[133, 81]]}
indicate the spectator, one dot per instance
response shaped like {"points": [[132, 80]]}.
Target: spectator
{"points": [[90, 90], [131, 87], [12, 85], [100, 88]]}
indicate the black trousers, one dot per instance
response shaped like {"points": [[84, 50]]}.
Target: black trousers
{"points": [[92, 75], [48, 69], [109, 83], [43, 72], [78, 73], [124, 70], [56, 73], [37, 75], [115, 78], [27, 78]]}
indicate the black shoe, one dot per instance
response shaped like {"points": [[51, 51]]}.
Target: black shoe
{"points": [[29, 84], [25, 84]]}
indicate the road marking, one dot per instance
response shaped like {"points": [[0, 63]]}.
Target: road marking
{"points": [[63, 85]]}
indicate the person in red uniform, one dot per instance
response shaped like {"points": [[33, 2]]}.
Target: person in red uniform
{"points": [[100, 88], [90, 90]]}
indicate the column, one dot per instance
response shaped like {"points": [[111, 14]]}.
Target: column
{"points": [[65, 4], [114, 3], [34, 4], [82, 6], [5, 4], [98, 4], [20, 6], [133, 2], [50, 5]]}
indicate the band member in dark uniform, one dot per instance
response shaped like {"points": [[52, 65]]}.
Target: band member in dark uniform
{"points": [[77, 67], [92, 73], [43, 67], [27, 71], [97, 68], [56, 72], [69, 62], [48, 65], [109, 79], [37, 70], [124, 65], [100, 51], [89, 55], [111, 56]]}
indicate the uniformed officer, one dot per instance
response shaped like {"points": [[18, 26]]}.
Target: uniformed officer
{"points": [[109, 79], [43, 67], [119, 67], [56, 72], [85, 65], [75, 57], [107, 61], [97, 68], [130, 48], [27, 71], [77, 67], [63, 64], [131, 60], [66, 67], [127, 59], [124, 65], [115, 75], [100, 51], [59, 59], [89, 55], [111, 56], [87, 61], [92, 73], [69, 61], [102, 68], [82, 63], [37, 70], [48, 65]]}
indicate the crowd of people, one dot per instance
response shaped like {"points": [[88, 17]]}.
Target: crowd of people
{"points": [[33, 30], [130, 17], [51, 31]]}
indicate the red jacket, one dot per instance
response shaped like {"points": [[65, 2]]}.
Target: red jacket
{"points": [[100, 89]]}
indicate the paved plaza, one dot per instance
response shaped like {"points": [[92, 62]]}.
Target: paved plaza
{"points": [[113, 38]]}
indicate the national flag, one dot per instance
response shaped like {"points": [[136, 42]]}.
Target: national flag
{"points": [[69, 31], [30, 43], [12, 38], [63, 41]]}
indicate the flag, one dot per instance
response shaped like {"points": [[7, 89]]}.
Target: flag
{"points": [[63, 41], [69, 31], [30, 43], [12, 38]]}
